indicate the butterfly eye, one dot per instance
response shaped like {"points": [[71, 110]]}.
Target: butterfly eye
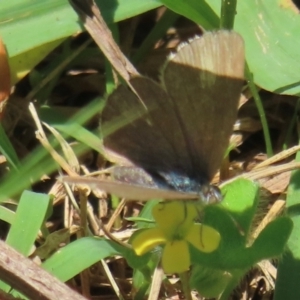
{"points": [[212, 194]]}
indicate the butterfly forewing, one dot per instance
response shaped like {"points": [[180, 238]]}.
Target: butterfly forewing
{"points": [[130, 191], [186, 128]]}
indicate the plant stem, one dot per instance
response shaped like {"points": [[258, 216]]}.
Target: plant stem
{"points": [[228, 11], [184, 278], [262, 115]]}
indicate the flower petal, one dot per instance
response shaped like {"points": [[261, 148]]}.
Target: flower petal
{"points": [[204, 238], [176, 257], [147, 239], [174, 218]]}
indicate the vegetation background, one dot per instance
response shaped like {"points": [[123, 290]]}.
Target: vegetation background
{"points": [[54, 65]]}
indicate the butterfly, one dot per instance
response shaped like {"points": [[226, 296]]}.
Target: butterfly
{"points": [[171, 137]]}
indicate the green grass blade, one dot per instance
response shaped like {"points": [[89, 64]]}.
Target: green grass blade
{"points": [[28, 24], [70, 128], [160, 28], [8, 150], [261, 111], [32, 29], [30, 215], [197, 10], [85, 252], [27, 221], [39, 162], [7, 215]]}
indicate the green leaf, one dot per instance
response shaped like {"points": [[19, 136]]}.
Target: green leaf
{"points": [[30, 215], [270, 31], [219, 272], [28, 24], [85, 252], [209, 282], [146, 213], [240, 199], [231, 251], [197, 10], [31, 29], [278, 231], [142, 276], [287, 283], [233, 224], [271, 36]]}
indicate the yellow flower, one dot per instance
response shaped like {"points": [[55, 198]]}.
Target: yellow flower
{"points": [[175, 229]]}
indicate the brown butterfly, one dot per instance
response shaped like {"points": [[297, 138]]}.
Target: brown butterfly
{"points": [[174, 135]]}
